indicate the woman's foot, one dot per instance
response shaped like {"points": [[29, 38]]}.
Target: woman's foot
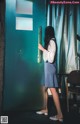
{"points": [[57, 118], [45, 112]]}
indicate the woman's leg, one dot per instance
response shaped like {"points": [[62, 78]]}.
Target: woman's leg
{"points": [[45, 99], [57, 102]]}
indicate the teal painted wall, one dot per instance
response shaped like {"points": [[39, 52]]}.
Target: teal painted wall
{"points": [[22, 73]]}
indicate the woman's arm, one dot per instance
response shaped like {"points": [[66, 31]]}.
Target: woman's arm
{"points": [[51, 51], [48, 55], [41, 47]]}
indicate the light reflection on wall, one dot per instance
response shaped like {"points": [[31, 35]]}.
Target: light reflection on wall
{"points": [[24, 23], [24, 7]]}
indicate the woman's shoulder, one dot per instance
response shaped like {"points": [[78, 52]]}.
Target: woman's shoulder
{"points": [[53, 40]]}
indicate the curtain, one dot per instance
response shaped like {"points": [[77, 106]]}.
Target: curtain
{"points": [[65, 20]]}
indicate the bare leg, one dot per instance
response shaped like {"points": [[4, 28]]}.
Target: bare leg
{"points": [[57, 102], [45, 97]]}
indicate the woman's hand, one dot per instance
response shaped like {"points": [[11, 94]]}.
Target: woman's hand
{"points": [[41, 47]]}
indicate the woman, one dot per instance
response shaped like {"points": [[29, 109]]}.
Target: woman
{"points": [[50, 79]]}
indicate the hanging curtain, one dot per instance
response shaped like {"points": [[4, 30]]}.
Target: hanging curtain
{"points": [[71, 54], [65, 19], [78, 38]]}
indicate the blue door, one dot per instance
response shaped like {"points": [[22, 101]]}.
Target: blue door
{"points": [[25, 21]]}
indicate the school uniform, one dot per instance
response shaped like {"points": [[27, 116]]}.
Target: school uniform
{"points": [[50, 77]]}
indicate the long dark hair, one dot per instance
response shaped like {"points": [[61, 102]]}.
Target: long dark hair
{"points": [[49, 34]]}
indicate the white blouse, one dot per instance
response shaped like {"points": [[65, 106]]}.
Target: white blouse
{"points": [[49, 54]]}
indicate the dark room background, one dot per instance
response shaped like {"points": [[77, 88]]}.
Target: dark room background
{"points": [[21, 68]]}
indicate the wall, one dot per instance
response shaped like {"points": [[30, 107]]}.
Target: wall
{"points": [[22, 72], [2, 9]]}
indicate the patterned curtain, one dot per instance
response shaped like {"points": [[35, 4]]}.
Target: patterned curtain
{"points": [[65, 20]]}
